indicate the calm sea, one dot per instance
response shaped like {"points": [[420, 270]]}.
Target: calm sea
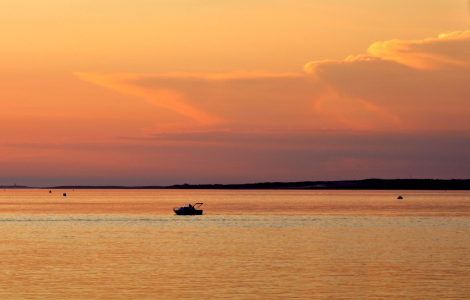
{"points": [[128, 244]]}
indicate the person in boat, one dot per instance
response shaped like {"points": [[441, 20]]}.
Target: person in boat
{"points": [[190, 206]]}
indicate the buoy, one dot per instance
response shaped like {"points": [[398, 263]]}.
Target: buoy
{"points": [[65, 194], [50, 191], [400, 197]]}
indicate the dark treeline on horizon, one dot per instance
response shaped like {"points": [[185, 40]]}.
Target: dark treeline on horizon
{"points": [[365, 184]]}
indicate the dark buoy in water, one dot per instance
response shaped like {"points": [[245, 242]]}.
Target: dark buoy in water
{"points": [[50, 191], [65, 194], [400, 197]]}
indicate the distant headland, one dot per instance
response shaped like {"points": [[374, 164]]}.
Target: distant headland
{"points": [[365, 184]]}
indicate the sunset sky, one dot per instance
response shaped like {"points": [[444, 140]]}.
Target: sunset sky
{"points": [[162, 92]]}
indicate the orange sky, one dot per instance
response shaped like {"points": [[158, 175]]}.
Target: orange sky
{"points": [[165, 92]]}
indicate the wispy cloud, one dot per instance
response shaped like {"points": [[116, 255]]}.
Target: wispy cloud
{"points": [[396, 85], [233, 100], [165, 97], [417, 85], [444, 52]]}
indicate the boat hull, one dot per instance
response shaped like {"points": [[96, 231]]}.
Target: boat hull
{"points": [[188, 212]]}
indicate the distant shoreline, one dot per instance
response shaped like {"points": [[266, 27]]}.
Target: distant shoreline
{"points": [[365, 184]]}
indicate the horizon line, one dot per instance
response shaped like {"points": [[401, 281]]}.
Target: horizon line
{"points": [[370, 183]]}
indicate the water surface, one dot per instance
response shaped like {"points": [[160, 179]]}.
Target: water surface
{"points": [[128, 244]]}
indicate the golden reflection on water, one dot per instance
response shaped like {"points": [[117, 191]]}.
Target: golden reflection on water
{"points": [[128, 244]]}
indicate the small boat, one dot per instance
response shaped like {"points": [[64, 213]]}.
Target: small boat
{"points": [[188, 209]]}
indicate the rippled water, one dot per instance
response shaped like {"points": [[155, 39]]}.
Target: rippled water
{"points": [[128, 244]]}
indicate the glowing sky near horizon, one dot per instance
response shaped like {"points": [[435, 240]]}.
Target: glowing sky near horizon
{"points": [[165, 92]]}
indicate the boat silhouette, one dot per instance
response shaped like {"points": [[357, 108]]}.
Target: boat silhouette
{"points": [[188, 209]]}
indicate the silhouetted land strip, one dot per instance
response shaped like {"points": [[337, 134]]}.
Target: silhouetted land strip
{"points": [[366, 184]]}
